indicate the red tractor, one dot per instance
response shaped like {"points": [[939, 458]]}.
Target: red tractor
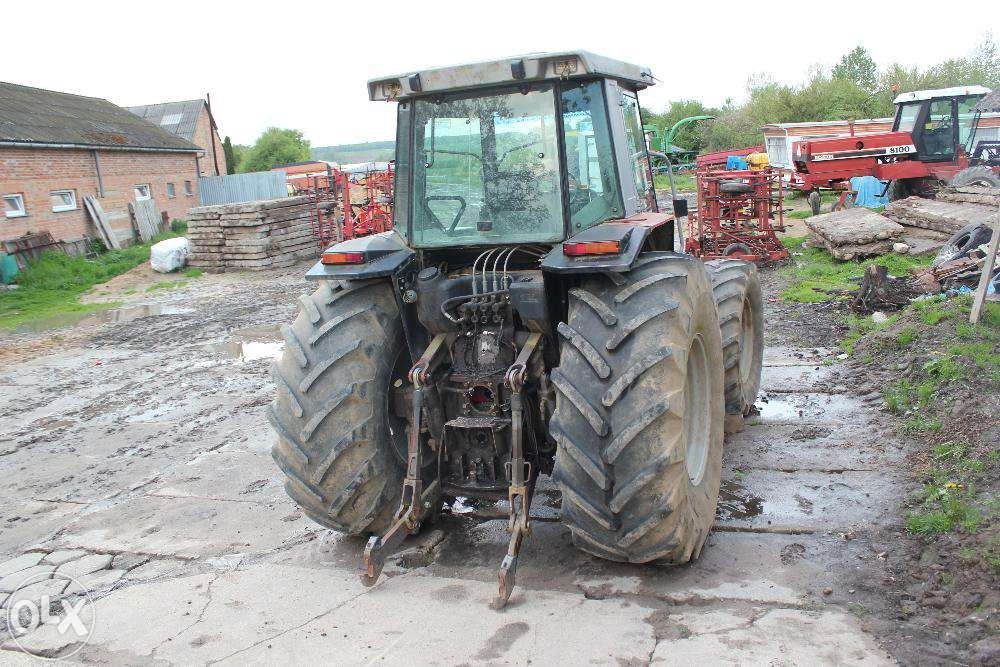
{"points": [[933, 142]]}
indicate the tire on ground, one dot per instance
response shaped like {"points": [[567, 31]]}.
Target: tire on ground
{"points": [[979, 175], [640, 377], [741, 319], [962, 242], [815, 201], [331, 414]]}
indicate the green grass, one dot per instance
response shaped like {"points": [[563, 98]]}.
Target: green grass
{"points": [[799, 215], [906, 336], [193, 273], [859, 327], [948, 496], [816, 276], [52, 285], [166, 284], [683, 182]]}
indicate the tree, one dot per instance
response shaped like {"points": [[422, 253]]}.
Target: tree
{"points": [[688, 136], [227, 150], [858, 67], [275, 146]]}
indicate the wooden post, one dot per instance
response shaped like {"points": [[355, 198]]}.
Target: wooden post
{"points": [[984, 280]]}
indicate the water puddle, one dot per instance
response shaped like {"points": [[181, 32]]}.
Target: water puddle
{"points": [[121, 315], [250, 344], [781, 407], [736, 502], [246, 350]]}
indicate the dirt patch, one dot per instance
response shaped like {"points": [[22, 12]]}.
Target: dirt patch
{"points": [[798, 324], [938, 600]]}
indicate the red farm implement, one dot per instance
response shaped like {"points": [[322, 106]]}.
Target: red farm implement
{"points": [[735, 215], [338, 214], [373, 212]]}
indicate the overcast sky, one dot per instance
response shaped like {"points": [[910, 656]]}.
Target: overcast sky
{"points": [[304, 65]]}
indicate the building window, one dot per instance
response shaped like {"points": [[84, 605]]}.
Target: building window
{"points": [[142, 192], [63, 200], [171, 119], [14, 206], [170, 191], [188, 190]]}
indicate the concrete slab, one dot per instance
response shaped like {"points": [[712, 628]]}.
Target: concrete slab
{"points": [[802, 501], [800, 408], [795, 378], [798, 356], [820, 447], [775, 636], [187, 528]]}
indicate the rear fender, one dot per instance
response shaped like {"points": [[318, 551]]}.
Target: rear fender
{"points": [[384, 254], [631, 233]]}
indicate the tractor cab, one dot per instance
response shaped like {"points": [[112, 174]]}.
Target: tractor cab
{"points": [[942, 122], [526, 150]]}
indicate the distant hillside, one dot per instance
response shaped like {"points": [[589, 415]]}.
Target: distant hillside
{"points": [[351, 153]]}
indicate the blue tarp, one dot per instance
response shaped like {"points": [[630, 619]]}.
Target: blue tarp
{"points": [[736, 163], [869, 190]]}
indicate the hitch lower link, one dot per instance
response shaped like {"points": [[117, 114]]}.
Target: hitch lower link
{"points": [[416, 499], [522, 477]]}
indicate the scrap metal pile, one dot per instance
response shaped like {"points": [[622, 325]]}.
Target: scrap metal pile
{"points": [[738, 213]]}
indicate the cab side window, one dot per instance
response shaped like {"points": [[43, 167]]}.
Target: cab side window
{"points": [[635, 141], [593, 192], [938, 130]]}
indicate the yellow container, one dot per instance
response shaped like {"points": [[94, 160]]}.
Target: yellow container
{"points": [[757, 160]]}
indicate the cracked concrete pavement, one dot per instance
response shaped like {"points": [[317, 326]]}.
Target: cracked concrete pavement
{"points": [[139, 452]]}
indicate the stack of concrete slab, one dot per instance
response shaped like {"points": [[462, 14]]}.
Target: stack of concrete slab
{"points": [[953, 209], [252, 235], [853, 233]]}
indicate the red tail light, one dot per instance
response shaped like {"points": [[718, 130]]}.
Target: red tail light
{"points": [[592, 248], [343, 258]]}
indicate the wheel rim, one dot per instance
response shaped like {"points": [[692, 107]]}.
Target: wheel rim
{"points": [[696, 417], [748, 339]]}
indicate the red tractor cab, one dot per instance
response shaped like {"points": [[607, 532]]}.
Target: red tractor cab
{"points": [[933, 142]]}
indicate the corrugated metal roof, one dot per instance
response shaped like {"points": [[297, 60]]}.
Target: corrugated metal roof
{"points": [[179, 118], [35, 115]]}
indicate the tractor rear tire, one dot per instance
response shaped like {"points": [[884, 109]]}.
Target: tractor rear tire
{"points": [[741, 318], [979, 175], [332, 412], [639, 411]]}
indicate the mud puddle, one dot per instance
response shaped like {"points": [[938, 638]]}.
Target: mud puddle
{"points": [[736, 502], [786, 407], [249, 344], [121, 315]]}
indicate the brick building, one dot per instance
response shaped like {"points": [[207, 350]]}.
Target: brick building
{"points": [[57, 148], [191, 120]]}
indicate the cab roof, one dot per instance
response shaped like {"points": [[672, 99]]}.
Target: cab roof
{"points": [[956, 91], [525, 68]]}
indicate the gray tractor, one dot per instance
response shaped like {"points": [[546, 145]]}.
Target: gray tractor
{"points": [[527, 315]]}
